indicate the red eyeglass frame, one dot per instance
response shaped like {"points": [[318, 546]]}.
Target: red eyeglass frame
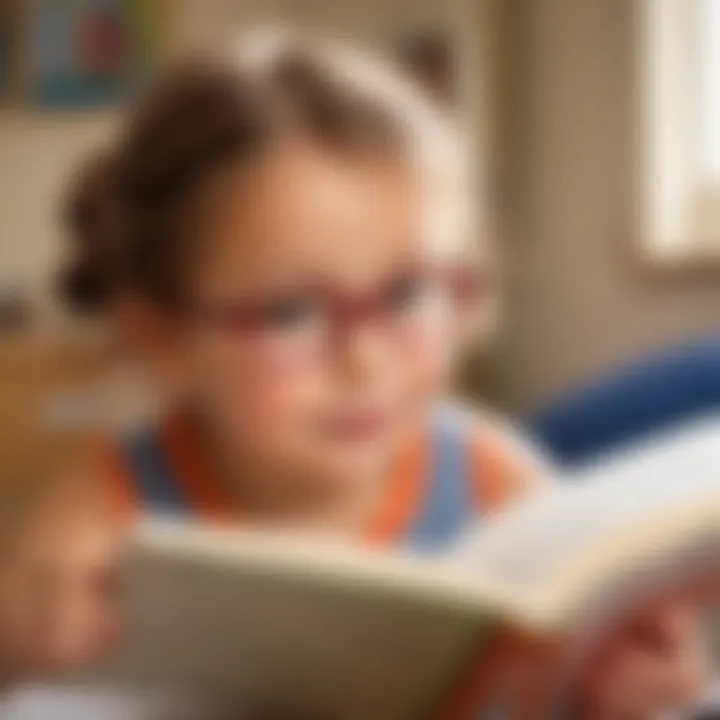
{"points": [[466, 286]]}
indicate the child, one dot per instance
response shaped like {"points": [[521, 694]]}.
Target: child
{"points": [[278, 233]]}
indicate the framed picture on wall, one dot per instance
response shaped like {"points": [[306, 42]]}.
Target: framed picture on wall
{"points": [[89, 53]]}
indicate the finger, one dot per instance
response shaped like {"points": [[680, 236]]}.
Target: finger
{"points": [[622, 686], [60, 598], [634, 682], [84, 604], [667, 627], [21, 613]]}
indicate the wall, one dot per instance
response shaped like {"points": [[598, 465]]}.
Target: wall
{"points": [[579, 304], [37, 152]]}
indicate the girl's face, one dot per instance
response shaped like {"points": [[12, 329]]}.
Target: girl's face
{"points": [[321, 328]]}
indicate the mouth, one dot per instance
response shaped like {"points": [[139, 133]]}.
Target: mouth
{"points": [[358, 425]]}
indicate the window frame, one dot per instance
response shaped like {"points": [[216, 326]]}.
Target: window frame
{"points": [[679, 209]]}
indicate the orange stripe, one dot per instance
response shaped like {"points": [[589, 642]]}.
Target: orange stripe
{"points": [[402, 500], [118, 480], [190, 470], [490, 478]]}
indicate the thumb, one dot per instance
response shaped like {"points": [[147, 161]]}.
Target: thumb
{"points": [[83, 615]]}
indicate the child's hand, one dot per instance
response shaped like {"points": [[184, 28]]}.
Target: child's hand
{"points": [[56, 594], [655, 665]]}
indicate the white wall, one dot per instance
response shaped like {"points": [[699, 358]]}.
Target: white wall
{"points": [[580, 305], [37, 152]]}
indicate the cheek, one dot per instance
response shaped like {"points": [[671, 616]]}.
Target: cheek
{"points": [[432, 360], [252, 395]]}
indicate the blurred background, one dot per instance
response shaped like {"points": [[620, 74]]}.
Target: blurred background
{"points": [[595, 122]]}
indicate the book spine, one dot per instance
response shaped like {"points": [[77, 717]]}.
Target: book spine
{"points": [[514, 677]]}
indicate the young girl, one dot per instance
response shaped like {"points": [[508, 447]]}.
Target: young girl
{"points": [[278, 232]]}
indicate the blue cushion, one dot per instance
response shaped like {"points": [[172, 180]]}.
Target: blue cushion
{"points": [[635, 401]]}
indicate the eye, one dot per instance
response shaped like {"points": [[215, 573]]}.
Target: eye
{"points": [[290, 313], [406, 292]]}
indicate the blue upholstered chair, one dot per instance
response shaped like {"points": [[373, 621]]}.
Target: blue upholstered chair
{"points": [[637, 400]]}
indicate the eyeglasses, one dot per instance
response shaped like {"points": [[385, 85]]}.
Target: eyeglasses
{"points": [[310, 320]]}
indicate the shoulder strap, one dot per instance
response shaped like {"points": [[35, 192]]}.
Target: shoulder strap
{"points": [[449, 504], [154, 483], [112, 466]]}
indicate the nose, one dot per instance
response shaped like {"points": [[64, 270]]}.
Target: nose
{"points": [[362, 345]]}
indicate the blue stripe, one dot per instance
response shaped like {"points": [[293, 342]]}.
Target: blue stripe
{"points": [[151, 475], [448, 504]]}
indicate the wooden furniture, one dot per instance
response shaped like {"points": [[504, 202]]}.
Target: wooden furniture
{"points": [[58, 395]]}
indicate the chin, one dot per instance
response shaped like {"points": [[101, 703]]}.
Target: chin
{"points": [[358, 459]]}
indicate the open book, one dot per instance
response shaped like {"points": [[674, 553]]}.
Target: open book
{"points": [[313, 630]]}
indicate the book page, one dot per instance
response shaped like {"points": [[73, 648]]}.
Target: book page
{"points": [[529, 548], [249, 630]]}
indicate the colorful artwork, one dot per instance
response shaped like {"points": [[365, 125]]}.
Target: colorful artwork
{"points": [[91, 52]]}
